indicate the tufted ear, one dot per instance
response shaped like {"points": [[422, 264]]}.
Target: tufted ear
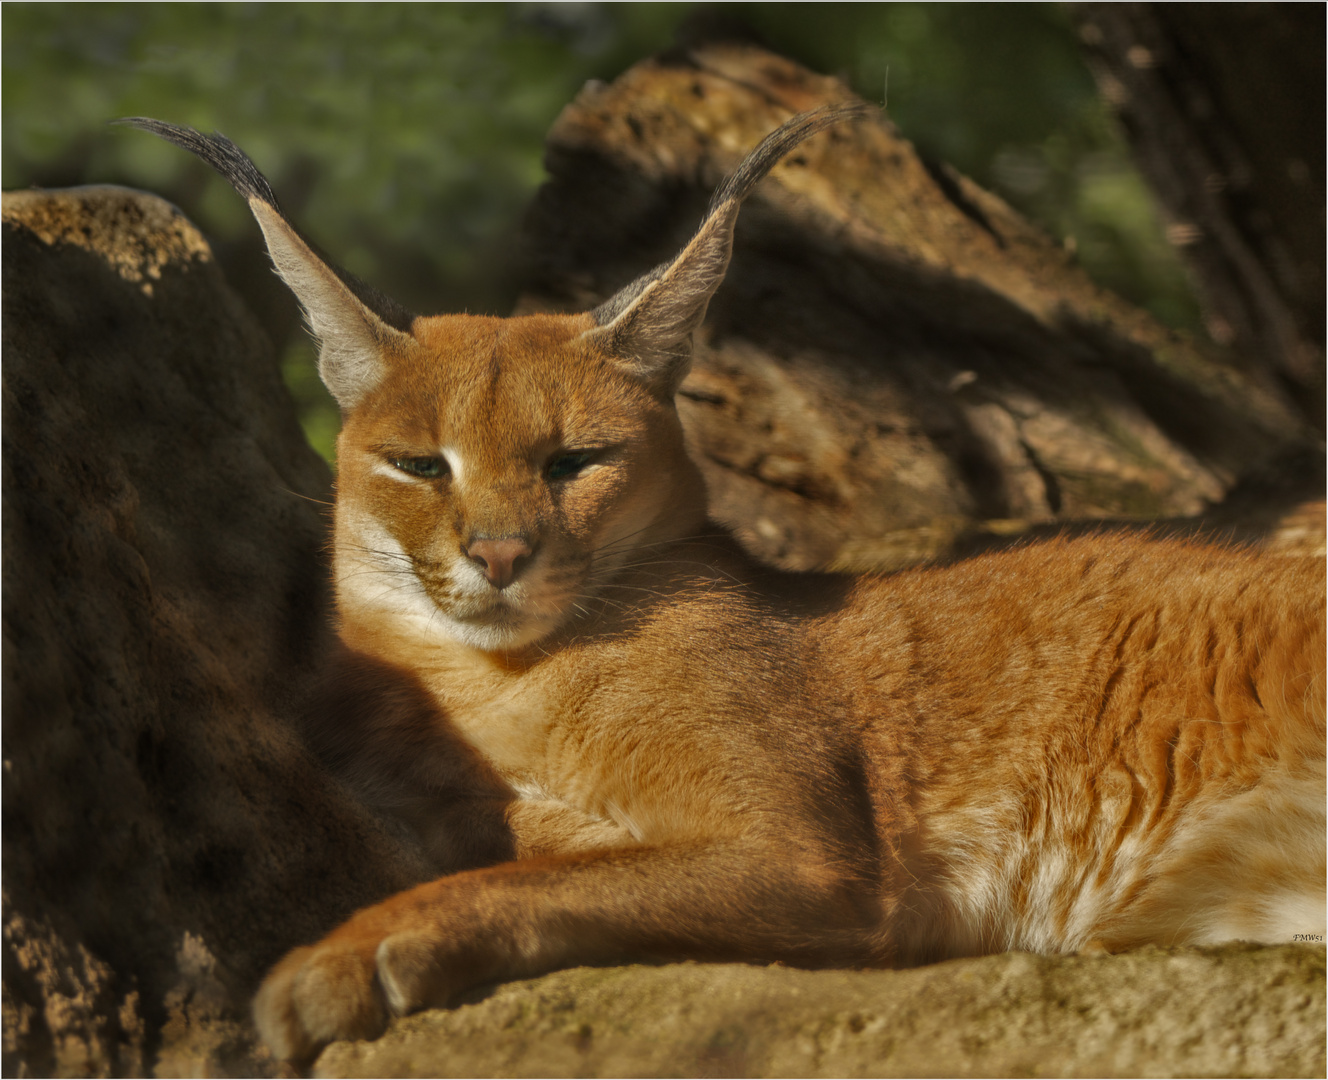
{"points": [[648, 325], [353, 323]]}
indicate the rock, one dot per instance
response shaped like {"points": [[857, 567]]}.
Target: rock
{"points": [[1232, 1011], [896, 360], [166, 837]]}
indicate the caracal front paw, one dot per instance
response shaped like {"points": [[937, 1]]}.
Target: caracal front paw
{"points": [[347, 987]]}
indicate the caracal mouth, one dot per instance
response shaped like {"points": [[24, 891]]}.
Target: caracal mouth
{"points": [[446, 604], [498, 616], [500, 624]]}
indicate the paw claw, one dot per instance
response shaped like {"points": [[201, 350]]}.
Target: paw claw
{"points": [[409, 974], [337, 998]]}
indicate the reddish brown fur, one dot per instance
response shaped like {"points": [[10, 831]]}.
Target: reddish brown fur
{"points": [[714, 760], [619, 737]]}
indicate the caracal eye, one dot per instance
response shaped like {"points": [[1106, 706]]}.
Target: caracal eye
{"points": [[428, 468], [565, 466]]}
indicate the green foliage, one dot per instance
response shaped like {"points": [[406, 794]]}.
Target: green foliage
{"points": [[319, 415], [408, 137]]}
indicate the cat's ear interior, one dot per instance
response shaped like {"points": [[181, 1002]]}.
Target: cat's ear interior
{"points": [[353, 323], [647, 326]]}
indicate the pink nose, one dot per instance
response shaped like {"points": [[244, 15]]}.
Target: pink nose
{"points": [[501, 560]]}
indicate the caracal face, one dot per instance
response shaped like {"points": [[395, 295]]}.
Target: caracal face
{"points": [[495, 473], [498, 475]]}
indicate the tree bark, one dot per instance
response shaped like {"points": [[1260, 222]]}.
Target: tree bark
{"points": [[1223, 105]]}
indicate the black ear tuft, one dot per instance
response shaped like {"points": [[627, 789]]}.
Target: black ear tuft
{"points": [[354, 324], [243, 175], [647, 325], [218, 151], [779, 142]]}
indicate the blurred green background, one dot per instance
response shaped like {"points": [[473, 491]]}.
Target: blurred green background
{"points": [[407, 138]]}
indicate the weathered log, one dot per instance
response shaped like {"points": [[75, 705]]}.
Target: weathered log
{"points": [[895, 359]]}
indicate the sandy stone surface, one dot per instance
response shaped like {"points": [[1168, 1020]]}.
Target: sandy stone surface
{"points": [[1235, 1011]]}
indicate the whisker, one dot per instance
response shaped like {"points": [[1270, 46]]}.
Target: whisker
{"points": [[696, 538], [308, 498]]}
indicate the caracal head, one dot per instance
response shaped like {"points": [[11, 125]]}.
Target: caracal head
{"points": [[499, 476], [496, 475]]}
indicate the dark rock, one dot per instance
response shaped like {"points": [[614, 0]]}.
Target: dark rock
{"points": [[166, 837]]}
